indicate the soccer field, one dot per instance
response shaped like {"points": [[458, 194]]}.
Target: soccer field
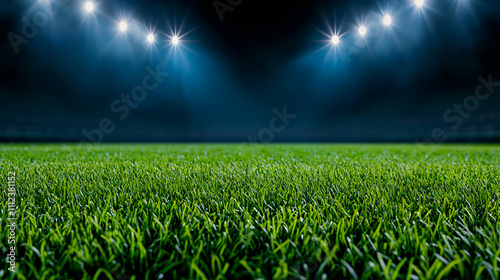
{"points": [[217, 211]]}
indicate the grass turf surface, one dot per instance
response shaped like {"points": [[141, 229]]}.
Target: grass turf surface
{"points": [[272, 212]]}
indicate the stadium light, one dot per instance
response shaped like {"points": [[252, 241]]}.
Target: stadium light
{"points": [[387, 20], [335, 40], [362, 30], [151, 38], [419, 3], [123, 26], [89, 6]]}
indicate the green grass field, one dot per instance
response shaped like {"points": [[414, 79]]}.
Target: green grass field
{"points": [[246, 212]]}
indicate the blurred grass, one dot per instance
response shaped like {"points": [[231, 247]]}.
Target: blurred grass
{"points": [[241, 212]]}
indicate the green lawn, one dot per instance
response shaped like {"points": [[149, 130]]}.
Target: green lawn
{"points": [[244, 212]]}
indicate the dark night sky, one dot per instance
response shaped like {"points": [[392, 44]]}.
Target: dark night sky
{"points": [[227, 76]]}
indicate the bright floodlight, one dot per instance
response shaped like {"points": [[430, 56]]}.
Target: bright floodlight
{"points": [[419, 3], [151, 38], [89, 6], [175, 40], [387, 20], [123, 26], [362, 30], [335, 40]]}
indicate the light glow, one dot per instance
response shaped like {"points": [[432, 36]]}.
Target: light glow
{"points": [[89, 6], [387, 20], [335, 40], [419, 3], [362, 30], [175, 40], [151, 38], [123, 26]]}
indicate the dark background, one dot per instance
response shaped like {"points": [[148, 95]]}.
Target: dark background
{"points": [[227, 76]]}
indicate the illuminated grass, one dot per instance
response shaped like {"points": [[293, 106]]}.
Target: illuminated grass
{"points": [[273, 212]]}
